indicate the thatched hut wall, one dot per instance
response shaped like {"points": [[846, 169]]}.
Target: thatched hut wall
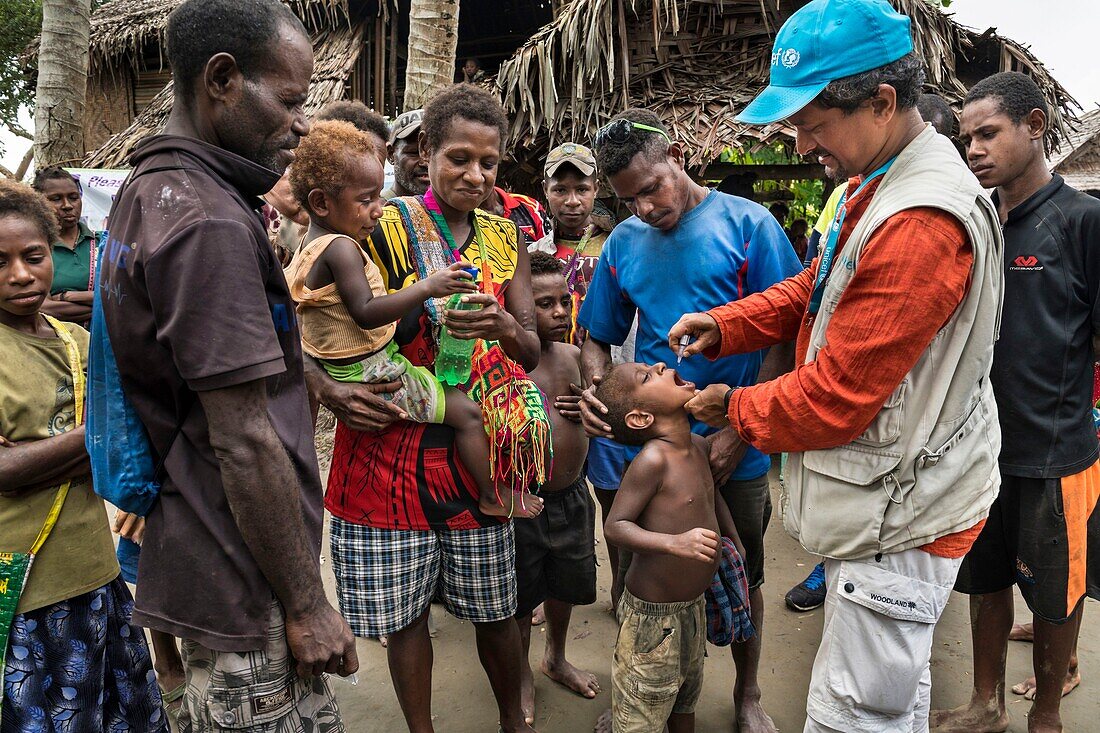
{"points": [[109, 105]]}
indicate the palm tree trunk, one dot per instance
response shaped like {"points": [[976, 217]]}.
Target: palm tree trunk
{"points": [[62, 82], [433, 38]]}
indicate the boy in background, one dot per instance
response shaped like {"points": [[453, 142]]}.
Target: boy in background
{"points": [[667, 516], [570, 185], [556, 551]]}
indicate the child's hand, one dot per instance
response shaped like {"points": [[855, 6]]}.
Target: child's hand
{"points": [[454, 279], [696, 544], [569, 405], [130, 526]]}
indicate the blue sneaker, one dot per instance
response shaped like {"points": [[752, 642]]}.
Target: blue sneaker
{"points": [[810, 593]]}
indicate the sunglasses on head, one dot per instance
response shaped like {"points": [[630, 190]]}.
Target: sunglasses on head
{"points": [[619, 131]]}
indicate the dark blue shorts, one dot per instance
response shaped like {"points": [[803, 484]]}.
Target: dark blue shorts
{"points": [[606, 463]]}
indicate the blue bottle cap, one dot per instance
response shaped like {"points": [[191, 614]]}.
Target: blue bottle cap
{"points": [[472, 271]]}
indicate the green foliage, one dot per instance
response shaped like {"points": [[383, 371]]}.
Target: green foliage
{"points": [[20, 22], [807, 195]]}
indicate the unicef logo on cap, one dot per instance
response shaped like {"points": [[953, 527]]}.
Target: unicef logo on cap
{"points": [[788, 57]]}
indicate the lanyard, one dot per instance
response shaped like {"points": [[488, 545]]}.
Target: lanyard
{"points": [[826, 265], [436, 213]]}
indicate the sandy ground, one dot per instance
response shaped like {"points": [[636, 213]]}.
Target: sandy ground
{"points": [[463, 702]]}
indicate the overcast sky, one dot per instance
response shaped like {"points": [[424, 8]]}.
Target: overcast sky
{"points": [[1063, 34]]}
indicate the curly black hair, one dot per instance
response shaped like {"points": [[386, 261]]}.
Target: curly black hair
{"points": [[358, 114], [545, 264], [612, 157], [199, 29], [906, 76], [468, 102], [54, 173], [19, 199], [1016, 94]]}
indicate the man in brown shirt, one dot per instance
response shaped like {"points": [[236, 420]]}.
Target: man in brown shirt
{"points": [[207, 346]]}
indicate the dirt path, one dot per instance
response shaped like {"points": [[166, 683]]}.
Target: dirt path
{"points": [[464, 704]]}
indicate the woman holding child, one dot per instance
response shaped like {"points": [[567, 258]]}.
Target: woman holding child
{"points": [[406, 517]]}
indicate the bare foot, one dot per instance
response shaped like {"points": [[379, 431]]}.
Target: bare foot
{"points": [[538, 616], [583, 683], [1022, 632], [751, 717], [603, 725], [521, 506], [1027, 687], [970, 718], [384, 641], [527, 696]]}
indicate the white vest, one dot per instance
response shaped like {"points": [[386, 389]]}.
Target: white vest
{"points": [[927, 465]]}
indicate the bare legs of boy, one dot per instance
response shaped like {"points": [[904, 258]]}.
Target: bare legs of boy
{"points": [[991, 622], [464, 415], [554, 664], [410, 659], [1026, 632]]}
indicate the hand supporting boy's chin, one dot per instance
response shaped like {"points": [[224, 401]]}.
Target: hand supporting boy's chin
{"points": [[709, 406]]}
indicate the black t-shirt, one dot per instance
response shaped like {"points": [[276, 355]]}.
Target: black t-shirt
{"points": [[1043, 363], [195, 300]]}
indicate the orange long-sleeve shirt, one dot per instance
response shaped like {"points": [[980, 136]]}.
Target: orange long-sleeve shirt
{"points": [[912, 275]]}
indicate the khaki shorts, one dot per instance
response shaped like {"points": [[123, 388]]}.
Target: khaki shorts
{"points": [[658, 668], [258, 691]]}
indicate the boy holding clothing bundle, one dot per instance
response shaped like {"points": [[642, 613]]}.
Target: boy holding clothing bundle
{"points": [[667, 515]]}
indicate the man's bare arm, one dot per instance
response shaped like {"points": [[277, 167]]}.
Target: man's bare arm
{"points": [[263, 492]]}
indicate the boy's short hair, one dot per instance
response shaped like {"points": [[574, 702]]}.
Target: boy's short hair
{"points": [[616, 392], [1016, 94], [545, 264], [321, 160], [612, 157], [19, 199], [358, 114]]}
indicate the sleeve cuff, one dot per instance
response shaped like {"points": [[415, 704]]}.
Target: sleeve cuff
{"points": [[239, 376]]}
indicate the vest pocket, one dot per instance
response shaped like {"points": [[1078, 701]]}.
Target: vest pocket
{"points": [[886, 427], [837, 519]]}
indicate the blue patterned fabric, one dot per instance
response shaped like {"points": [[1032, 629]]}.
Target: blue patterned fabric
{"points": [[78, 666], [727, 600]]}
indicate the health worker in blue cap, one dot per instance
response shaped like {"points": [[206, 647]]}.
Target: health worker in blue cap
{"points": [[889, 417]]}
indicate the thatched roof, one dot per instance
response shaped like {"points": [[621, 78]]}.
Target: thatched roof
{"points": [[335, 52], [696, 63], [1078, 158], [121, 29]]}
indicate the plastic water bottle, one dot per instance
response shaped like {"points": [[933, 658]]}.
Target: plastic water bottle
{"points": [[452, 364]]}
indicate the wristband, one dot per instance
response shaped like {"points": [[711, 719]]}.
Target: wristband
{"points": [[726, 399], [61, 296]]}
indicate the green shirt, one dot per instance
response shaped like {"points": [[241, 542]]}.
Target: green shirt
{"points": [[72, 267], [36, 402]]}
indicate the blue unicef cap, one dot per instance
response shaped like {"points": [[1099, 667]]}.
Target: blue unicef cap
{"points": [[824, 41]]}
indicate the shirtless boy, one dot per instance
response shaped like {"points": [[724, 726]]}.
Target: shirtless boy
{"points": [[666, 514], [556, 552]]}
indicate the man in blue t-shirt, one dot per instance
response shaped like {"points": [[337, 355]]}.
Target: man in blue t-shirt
{"points": [[687, 249]]}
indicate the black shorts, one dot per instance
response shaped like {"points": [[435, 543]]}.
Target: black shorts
{"points": [[750, 504], [1044, 536], [556, 551]]}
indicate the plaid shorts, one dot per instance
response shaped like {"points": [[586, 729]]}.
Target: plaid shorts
{"points": [[385, 578], [258, 691]]}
